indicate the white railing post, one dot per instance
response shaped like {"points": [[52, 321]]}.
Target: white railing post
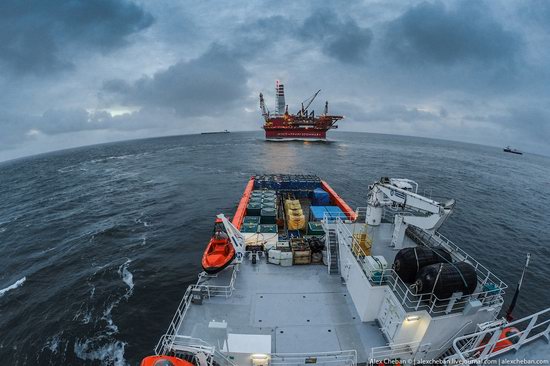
{"points": [[526, 332]]}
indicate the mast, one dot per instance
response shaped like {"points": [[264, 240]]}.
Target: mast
{"points": [[280, 95], [509, 316]]}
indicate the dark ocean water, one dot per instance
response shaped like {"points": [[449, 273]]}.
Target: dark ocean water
{"points": [[98, 244]]}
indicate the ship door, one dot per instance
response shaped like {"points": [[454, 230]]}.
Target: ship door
{"points": [[389, 317]]}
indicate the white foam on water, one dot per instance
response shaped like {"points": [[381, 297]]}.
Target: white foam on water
{"points": [[87, 317], [109, 354], [112, 328], [127, 277], [53, 344], [139, 220], [18, 283]]}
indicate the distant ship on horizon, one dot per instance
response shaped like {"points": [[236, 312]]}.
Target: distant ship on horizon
{"points": [[508, 149], [304, 125], [214, 132]]}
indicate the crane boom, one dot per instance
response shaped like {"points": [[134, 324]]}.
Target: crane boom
{"points": [[412, 208], [308, 102], [265, 112], [235, 236]]}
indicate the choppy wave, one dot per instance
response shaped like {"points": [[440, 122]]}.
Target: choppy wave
{"points": [[127, 277], [76, 217], [18, 283], [53, 343], [111, 353]]}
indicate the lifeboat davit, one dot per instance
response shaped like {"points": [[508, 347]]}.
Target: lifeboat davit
{"points": [[219, 252], [164, 361]]}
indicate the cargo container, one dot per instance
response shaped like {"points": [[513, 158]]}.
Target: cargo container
{"points": [[315, 228], [249, 228], [268, 216], [269, 228], [251, 220], [254, 209]]}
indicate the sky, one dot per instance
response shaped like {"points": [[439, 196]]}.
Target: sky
{"points": [[76, 72]]}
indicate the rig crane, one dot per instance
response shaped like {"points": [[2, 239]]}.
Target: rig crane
{"points": [[401, 196], [265, 111], [308, 101]]}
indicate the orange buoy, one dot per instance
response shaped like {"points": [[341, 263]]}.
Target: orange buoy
{"points": [[164, 361], [219, 252]]}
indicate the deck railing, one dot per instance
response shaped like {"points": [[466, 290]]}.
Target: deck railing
{"points": [[166, 342], [403, 351], [492, 288], [196, 346], [336, 358], [483, 345]]}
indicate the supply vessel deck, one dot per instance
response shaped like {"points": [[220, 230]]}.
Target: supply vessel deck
{"points": [[309, 280], [304, 125]]}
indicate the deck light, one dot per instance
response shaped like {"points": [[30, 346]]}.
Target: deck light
{"points": [[260, 359], [413, 318]]}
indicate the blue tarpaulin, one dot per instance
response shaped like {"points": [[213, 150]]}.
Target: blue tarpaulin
{"points": [[336, 212], [332, 212], [320, 197]]}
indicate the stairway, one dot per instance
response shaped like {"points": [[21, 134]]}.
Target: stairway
{"points": [[333, 266], [450, 354]]}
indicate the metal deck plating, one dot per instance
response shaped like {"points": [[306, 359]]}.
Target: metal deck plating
{"points": [[303, 308]]}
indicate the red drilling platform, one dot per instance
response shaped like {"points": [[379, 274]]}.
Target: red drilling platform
{"points": [[304, 125]]}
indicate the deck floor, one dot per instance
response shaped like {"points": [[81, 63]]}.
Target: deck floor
{"points": [[302, 307]]}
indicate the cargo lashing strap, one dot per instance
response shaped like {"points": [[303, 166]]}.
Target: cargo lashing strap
{"points": [[439, 272], [417, 264], [461, 276]]}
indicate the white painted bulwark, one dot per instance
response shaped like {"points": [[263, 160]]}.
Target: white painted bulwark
{"points": [[366, 298]]}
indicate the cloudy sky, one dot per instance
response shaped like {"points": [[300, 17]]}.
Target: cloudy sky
{"points": [[82, 72]]}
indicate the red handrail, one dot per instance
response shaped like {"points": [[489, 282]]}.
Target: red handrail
{"points": [[335, 198]]}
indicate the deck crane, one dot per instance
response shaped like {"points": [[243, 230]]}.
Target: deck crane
{"points": [[400, 195], [308, 101]]}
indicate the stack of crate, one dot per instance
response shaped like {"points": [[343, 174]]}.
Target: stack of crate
{"points": [[301, 253]]}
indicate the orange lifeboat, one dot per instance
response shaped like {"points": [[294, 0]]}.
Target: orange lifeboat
{"points": [[164, 361], [508, 337], [219, 252]]}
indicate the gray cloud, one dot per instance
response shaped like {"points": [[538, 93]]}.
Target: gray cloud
{"points": [[340, 39], [440, 34], [40, 37], [18, 127], [390, 113], [468, 70], [527, 122], [55, 121], [207, 85]]}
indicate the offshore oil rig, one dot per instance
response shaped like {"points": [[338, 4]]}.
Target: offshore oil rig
{"points": [[304, 125]]}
